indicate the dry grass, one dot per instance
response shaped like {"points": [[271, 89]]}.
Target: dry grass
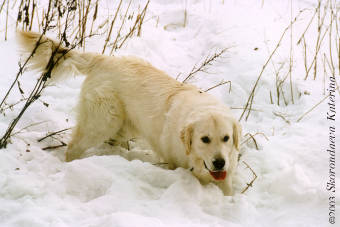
{"points": [[250, 184], [319, 55], [69, 20], [248, 105], [208, 61]]}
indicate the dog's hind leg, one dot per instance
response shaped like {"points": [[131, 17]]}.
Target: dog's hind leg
{"points": [[99, 119]]}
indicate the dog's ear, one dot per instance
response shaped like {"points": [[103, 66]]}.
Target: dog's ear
{"points": [[186, 137], [237, 131]]}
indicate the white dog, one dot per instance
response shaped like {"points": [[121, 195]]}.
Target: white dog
{"points": [[124, 97]]}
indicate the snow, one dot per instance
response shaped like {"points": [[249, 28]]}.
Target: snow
{"points": [[37, 188]]}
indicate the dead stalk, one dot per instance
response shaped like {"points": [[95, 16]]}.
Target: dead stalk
{"points": [[252, 136], [28, 126], [320, 25], [305, 55], [254, 140], [32, 14], [251, 97], [139, 20], [141, 23], [291, 53], [2, 5], [310, 22], [324, 74], [310, 110], [332, 68], [120, 29], [111, 26], [271, 97], [54, 147], [208, 61], [52, 134], [316, 54], [6, 19], [84, 19], [41, 82], [94, 16], [242, 108], [337, 37], [278, 82], [320, 37], [332, 71], [281, 116], [219, 84], [250, 184], [252, 93]]}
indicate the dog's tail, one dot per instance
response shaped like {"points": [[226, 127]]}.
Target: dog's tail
{"points": [[45, 51]]}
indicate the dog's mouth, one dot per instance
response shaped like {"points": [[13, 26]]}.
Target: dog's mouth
{"points": [[217, 175]]}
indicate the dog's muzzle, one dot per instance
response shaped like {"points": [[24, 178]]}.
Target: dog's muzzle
{"points": [[220, 173]]}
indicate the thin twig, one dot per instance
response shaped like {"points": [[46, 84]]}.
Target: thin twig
{"points": [[114, 46], [250, 184], [84, 18], [55, 57], [271, 97], [2, 5], [32, 15], [10, 106], [316, 105], [252, 93], [254, 140], [139, 19], [208, 61], [6, 19], [310, 22], [318, 42], [291, 53], [52, 134], [94, 16], [112, 23], [219, 84], [160, 163], [242, 108], [316, 54], [281, 116], [55, 147], [21, 69], [28, 126], [142, 19], [252, 136]]}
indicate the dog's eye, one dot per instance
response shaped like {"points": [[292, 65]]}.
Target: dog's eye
{"points": [[225, 139], [205, 139]]}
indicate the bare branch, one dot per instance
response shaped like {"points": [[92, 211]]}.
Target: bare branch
{"points": [[52, 134], [219, 84], [208, 61], [252, 93], [250, 184]]}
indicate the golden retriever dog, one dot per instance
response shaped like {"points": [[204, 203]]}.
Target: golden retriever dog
{"points": [[125, 97]]}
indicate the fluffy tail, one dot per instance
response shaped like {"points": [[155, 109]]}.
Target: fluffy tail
{"points": [[66, 62]]}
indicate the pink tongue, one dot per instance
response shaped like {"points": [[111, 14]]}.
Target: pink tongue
{"points": [[218, 175]]}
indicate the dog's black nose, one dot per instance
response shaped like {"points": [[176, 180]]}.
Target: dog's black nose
{"points": [[219, 163]]}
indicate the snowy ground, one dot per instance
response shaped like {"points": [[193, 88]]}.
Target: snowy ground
{"points": [[37, 188]]}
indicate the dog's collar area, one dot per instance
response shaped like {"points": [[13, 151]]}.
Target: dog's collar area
{"points": [[192, 168]]}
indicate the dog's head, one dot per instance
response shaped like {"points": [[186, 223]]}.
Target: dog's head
{"points": [[212, 141]]}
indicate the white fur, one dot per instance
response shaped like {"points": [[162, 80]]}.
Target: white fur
{"points": [[124, 97]]}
